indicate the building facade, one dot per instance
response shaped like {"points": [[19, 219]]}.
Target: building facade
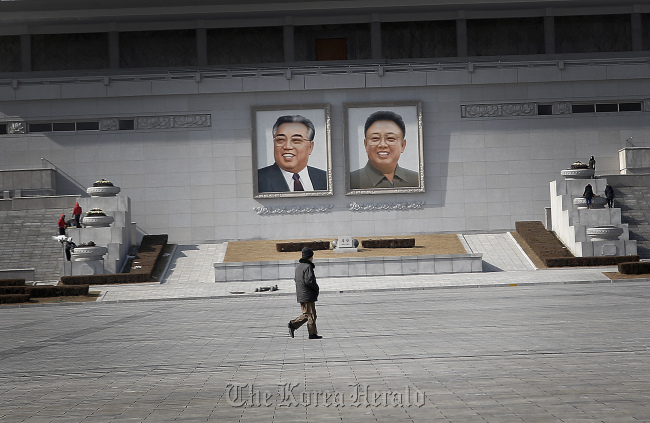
{"points": [[163, 102]]}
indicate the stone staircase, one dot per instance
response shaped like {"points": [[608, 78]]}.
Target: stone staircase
{"points": [[27, 242], [634, 203]]}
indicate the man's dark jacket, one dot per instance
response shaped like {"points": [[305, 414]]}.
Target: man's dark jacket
{"points": [[270, 179], [306, 286]]}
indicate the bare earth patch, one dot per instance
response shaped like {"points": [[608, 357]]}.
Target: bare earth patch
{"points": [[91, 297], [245, 251], [616, 275]]}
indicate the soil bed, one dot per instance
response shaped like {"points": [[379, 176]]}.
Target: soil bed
{"points": [[616, 275], [246, 251], [91, 297]]}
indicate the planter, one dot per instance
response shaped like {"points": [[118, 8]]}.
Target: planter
{"points": [[604, 233], [97, 221], [106, 191], [89, 253], [578, 173], [596, 202]]}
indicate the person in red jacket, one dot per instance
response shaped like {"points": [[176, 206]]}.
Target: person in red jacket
{"points": [[76, 213], [62, 225]]}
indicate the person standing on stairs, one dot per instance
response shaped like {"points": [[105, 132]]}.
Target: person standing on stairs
{"points": [[588, 194], [76, 213], [609, 194], [62, 225], [592, 165]]}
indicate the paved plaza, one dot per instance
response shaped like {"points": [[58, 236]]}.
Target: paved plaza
{"points": [[191, 274], [541, 353], [510, 344]]}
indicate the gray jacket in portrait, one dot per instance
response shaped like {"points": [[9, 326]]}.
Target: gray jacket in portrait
{"points": [[369, 177]]}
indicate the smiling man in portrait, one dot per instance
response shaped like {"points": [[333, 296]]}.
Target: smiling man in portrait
{"points": [[384, 143], [293, 143]]}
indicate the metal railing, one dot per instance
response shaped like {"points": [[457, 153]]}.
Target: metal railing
{"points": [[290, 70], [58, 169]]}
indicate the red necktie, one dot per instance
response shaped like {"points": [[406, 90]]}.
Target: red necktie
{"points": [[297, 185]]}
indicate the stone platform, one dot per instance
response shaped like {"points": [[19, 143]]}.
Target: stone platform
{"points": [[352, 266]]}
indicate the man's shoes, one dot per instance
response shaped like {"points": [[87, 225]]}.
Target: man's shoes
{"points": [[315, 337], [291, 329]]}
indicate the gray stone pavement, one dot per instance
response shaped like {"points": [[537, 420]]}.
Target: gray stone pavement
{"points": [[500, 252], [191, 275], [537, 353]]}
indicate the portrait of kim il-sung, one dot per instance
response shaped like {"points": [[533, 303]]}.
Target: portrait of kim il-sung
{"points": [[291, 151], [384, 148]]}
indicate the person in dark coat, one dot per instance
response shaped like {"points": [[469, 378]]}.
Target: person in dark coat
{"points": [[69, 247], [307, 293], [609, 194], [588, 194], [592, 165]]}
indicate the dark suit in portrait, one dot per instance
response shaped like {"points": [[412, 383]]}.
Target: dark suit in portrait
{"points": [[270, 179]]}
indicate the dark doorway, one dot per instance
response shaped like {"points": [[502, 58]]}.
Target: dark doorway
{"points": [[331, 49]]}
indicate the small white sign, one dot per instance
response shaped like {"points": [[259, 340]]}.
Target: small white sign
{"points": [[345, 242]]}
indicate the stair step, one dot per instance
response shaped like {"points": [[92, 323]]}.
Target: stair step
{"points": [[27, 242], [634, 203]]}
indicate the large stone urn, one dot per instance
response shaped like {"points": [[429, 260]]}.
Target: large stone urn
{"points": [[87, 253], [578, 173], [103, 188], [96, 218], [97, 221], [596, 202], [604, 233]]}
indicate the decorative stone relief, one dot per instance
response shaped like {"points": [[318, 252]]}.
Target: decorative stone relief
{"points": [[524, 109], [177, 121], [192, 121], [108, 124], [153, 122], [561, 108], [498, 110], [324, 208], [409, 205], [16, 128]]}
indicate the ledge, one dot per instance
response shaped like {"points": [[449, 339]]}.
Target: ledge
{"points": [[352, 266], [27, 274]]}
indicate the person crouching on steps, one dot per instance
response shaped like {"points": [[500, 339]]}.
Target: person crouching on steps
{"points": [[307, 293]]}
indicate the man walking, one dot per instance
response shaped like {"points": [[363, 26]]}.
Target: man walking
{"points": [[307, 293]]}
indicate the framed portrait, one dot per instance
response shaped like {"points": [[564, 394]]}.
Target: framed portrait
{"points": [[291, 151], [383, 145]]}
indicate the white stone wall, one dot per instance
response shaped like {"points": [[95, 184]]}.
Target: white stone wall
{"points": [[481, 174]]}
